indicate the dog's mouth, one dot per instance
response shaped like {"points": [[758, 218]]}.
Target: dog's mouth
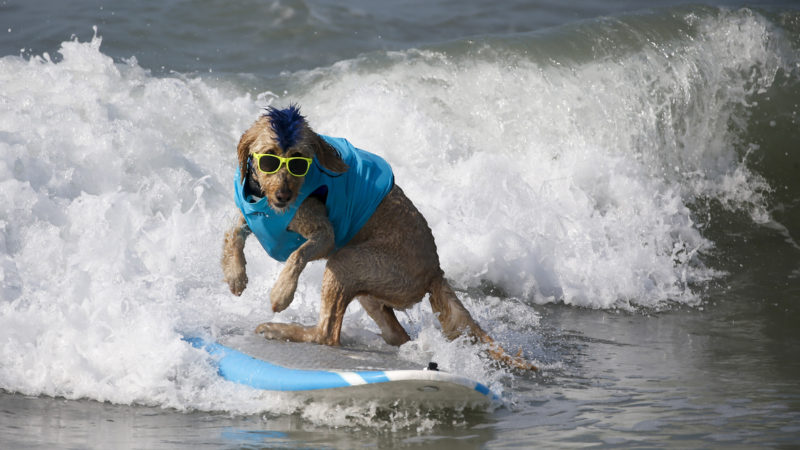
{"points": [[278, 205]]}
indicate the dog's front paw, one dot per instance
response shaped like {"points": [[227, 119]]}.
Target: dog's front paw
{"points": [[237, 282], [233, 270], [233, 261], [234, 274], [282, 293]]}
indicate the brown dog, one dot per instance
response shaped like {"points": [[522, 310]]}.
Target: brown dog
{"points": [[389, 263]]}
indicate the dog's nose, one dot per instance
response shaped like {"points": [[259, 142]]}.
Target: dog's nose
{"points": [[283, 195]]}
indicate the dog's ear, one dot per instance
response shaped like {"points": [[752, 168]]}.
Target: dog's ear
{"points": [[327, 155], [245, 142]]}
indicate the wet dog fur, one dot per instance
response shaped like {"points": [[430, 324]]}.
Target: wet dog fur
{"points": [[391, 263]]}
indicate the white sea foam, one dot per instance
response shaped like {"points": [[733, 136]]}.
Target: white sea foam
{"points": [[551, 183], [559, 181]]}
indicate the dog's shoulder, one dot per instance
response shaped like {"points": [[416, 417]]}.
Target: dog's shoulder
{"points": [[311, 217]]}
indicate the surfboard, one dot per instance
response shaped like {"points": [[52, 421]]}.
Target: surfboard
{"points": [[428, 386]]}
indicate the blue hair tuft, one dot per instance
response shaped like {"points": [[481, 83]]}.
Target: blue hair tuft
{"points": [[286, 123]]}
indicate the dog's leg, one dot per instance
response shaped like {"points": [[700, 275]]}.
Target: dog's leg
{"points": [[347, 274], [335, 298], [365, 269], [311, 222], [455, 320], [391, 330], [454, 317], [233, 262], [287, 331]]}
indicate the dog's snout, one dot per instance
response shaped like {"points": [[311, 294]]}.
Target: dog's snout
{"points": [[283, 195]]}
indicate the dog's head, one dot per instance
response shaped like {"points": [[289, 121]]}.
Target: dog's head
{"points": [[284, 133]]}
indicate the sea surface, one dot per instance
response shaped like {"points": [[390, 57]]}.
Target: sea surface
{"points": [[614, 188]]}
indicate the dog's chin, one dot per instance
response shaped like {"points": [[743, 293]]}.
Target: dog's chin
{"points": [[279, 207]]}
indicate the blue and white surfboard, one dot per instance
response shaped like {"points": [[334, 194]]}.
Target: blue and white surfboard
{"points": [[418, 386]]}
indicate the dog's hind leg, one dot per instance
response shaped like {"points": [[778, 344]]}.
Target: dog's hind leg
{"points": [[287, 332], [370, 274], [391, 330], [454, 317], [455, 320]]}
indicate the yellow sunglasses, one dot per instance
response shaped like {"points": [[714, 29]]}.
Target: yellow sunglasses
{"points": [[269, 163]]}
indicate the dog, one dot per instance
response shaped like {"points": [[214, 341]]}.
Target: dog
{"points": [[306, 197]]}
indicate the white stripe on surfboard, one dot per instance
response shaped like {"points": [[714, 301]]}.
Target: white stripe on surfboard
{"points": [[353, 378]]}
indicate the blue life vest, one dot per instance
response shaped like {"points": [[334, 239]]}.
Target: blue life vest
{"points": [[352, 197]]}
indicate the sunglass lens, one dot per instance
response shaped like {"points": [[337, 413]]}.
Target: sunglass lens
{"points": [[269, 163], [297, 166]]}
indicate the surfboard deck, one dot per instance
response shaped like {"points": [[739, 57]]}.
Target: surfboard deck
{"points": [[296, 355], [348, 374]]}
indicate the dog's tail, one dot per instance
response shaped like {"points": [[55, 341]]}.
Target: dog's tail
{"points": [[455, 320]]}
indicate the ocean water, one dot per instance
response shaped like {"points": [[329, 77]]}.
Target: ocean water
{"points": [[614, 188]]}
